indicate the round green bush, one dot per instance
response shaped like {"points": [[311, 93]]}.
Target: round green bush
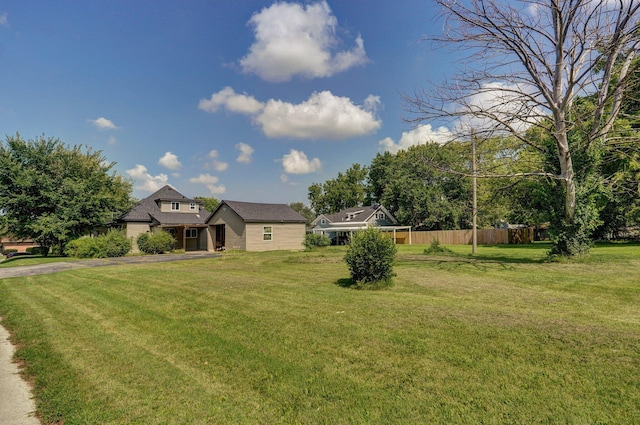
{"points": [[155, 243], [315, 240], [370, 258]]}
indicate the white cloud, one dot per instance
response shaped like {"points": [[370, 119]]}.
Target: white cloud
{"points": [[4, 19], [210, 182], [103, 124], [216, 164], [296, 162], [170, 161], [232, 101], [417, 136], [296, 40], [322, 116], [508, 103], [245, 153], [285, 179], [145, 180]]}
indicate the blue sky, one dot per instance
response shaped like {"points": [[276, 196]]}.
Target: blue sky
{"points": [[241, 100]]}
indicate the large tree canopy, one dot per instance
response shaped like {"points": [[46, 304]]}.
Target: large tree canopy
{"points": [[54, 193], [531, 61], [420, 195], [345, 191]]}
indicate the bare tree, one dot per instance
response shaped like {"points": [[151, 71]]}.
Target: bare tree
{"points": [[529, 61]]}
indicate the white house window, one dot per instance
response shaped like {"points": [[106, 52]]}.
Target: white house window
{"points": [[175, 206], [323, 221], [192, 233], [380, 216], [267, 233], [192, 206]]}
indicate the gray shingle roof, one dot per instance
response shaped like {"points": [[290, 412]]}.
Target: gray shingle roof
{"points": [[148, 209], [253, 212], [363, 213]]}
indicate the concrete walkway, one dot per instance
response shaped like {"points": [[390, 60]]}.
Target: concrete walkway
{"points": [[16, 403]]}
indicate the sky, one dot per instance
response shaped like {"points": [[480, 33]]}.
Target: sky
{"points": [[238, 100]]}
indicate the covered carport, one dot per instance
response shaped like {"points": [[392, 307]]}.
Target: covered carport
{"points": [[350, 230]]}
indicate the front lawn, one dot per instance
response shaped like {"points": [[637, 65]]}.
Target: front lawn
{"points": [[274, 338]]}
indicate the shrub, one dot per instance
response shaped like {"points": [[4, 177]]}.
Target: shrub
{"points": [[155, 243], [436, 248], [314, 240], [370, 259], [116, 243], [112, 244], [38, 250]]}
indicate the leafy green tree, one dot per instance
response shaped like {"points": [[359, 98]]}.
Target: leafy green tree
{"points": [[346, 191], [304, 211], [54, 193], [209, 203], [418, 194]]}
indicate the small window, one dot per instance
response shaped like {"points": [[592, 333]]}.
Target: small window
{"points": [[267, 233], [192, 206], [192, 233], [175, 206], [380, 216], [323, 221]]}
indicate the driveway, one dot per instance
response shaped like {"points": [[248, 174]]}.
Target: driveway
{"points": [[98, 262]]}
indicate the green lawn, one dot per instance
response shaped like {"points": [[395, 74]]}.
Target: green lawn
{"points": [[276, 338]]}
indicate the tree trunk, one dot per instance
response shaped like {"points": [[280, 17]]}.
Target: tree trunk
{"points": [[567, 175]]}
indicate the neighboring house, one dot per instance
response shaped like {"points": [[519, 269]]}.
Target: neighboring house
{"points": [[339, 227], [167, 209], [254, 226], [20, 245]]}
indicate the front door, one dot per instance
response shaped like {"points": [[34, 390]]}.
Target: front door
{"points": [[220, 237]]}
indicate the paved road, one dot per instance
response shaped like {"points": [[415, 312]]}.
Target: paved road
{"points": [[16, 402]]}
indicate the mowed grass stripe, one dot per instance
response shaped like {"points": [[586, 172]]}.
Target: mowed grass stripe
{"points": [[272, 338]]}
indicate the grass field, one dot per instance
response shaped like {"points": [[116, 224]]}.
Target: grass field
{"points": [[277, 338]]}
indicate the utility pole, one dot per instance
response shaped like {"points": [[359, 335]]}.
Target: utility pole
{"points": [[474, 230]]}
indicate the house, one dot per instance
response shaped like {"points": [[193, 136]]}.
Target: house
{"points": [[254, 226], [167, 209], [8, 243], [340, 226]]}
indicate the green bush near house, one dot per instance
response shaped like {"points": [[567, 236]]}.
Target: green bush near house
{"points": [[114, 243], [316, 240], [155, 243], [370, 259], [38, 250]]}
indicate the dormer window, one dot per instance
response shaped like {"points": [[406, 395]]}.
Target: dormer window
{"points": [[175, 206], [192, 206]]}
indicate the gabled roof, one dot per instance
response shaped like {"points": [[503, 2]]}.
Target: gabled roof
{"points": [[254, 212], [355, 215], [148, 209]]}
